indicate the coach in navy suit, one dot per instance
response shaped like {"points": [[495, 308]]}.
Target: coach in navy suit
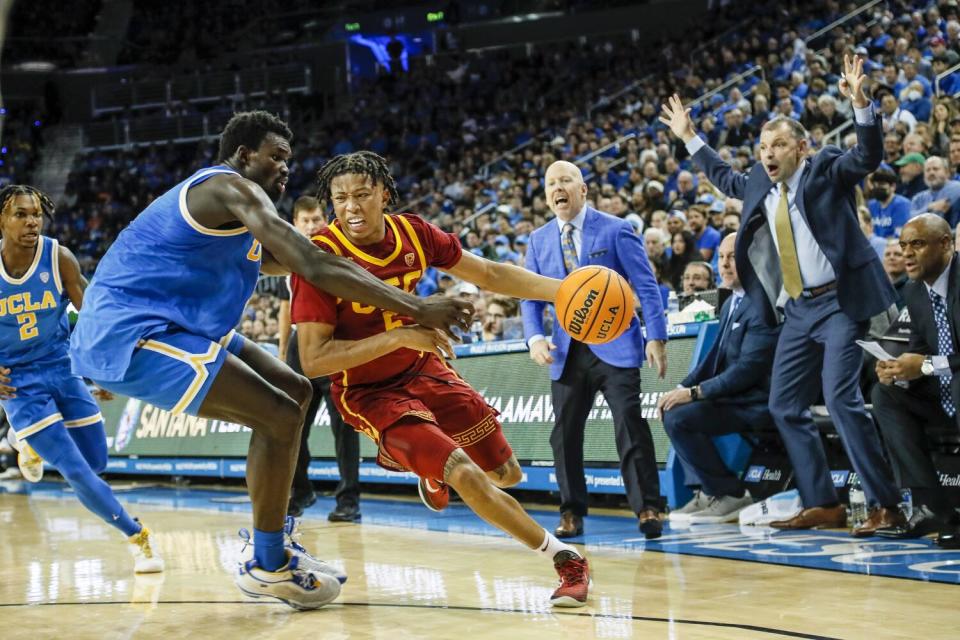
{"points": [[800, 243], [727, 392], [581, 235]]}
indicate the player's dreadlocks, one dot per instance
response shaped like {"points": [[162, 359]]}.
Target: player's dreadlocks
{"points": [[364, 163], [8, 193]]}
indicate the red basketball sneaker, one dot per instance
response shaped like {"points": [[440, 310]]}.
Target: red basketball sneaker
{"points": [[435, 494], [574, 574]]}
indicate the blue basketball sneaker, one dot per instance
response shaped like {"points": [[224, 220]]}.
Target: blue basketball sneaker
{"points": [[292, 584]]}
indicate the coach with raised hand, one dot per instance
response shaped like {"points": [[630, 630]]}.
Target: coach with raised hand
{"points": [[800, 245]]}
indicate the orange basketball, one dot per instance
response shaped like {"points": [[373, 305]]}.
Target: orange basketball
{"points": [[594, 304]]}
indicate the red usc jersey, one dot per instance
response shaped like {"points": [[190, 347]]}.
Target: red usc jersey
{"points": [[410, 245]]}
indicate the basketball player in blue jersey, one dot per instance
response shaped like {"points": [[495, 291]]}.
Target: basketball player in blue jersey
{"points": [[49, 408], [158, 319]]}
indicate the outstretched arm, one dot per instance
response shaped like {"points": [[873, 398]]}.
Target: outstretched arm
{"points": [[338, 276], [505, 279], [721, 174], [851, 167]]}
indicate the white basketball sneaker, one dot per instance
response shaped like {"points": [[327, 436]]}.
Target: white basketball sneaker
{"points": [[145, 559], [297, 587], [291, 538], [699, 502], [307, 561], [30, 463]]}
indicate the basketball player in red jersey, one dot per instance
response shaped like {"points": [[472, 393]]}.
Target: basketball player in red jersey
{"points": [[389, 377]]}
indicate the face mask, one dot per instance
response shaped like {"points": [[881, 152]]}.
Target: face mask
{"points": [[501, 250], [878, 194], [913, 95]]}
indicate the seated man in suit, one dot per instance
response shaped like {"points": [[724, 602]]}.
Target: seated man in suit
{"points": [[727, 392], [931, 364]]}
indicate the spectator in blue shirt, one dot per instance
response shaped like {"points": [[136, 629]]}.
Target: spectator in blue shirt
{"points": [[888, 210], [866, 225], [942, 196], [706, 237]]}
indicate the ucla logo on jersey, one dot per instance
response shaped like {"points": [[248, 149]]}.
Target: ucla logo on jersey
{"points": [[19, 303], [44, 277]]}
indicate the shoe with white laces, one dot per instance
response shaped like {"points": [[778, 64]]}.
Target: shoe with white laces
{"points": [[434, 494], [30, 463], [145, 559], [291, 584], [574, 572], [722, 509], [291, 542], [307, 561]]}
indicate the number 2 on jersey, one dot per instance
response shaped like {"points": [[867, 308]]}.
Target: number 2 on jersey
{"points": [[28, 326]]}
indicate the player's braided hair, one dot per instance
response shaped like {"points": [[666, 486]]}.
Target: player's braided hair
{"points": [[9, 192], [364, 163]]}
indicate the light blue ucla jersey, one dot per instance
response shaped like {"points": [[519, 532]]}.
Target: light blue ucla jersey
{"points": [[33, 310], [164, 270]]}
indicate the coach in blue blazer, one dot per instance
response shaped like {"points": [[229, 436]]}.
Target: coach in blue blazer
{"points": [[800, 243], [579, 236]]}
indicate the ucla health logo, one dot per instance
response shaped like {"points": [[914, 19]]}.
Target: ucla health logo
{"points": [[839, 478], [754, 473]]}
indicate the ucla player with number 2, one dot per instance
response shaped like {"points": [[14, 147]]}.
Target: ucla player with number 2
{"points": [[159, 318], [50, 409]]}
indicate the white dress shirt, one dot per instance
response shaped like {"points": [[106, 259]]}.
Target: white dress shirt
{"points": [[941, 365], [815, 269]]}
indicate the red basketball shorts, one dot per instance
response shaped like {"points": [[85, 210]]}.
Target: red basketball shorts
{"points": [[419, 419]]}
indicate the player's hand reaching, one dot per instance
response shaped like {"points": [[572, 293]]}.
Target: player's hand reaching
{"points": [[423, 339], [6, 391], [444, 313]]}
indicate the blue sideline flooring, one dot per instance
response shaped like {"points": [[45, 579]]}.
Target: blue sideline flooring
{"points": [[418, 574]]}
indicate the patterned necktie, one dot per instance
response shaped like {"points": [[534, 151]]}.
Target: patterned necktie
{"points": [[944, 348], [789, 264], [570, 260]]}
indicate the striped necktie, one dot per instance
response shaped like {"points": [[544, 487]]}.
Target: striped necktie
{"points": [[789, 263], [570, 261], [944, 348]]}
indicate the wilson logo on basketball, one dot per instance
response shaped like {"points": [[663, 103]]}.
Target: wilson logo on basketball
{"points": [[580, 315], [408, 259]]}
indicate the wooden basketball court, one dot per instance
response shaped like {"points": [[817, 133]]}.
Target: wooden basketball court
{"points": [[65, 574]]}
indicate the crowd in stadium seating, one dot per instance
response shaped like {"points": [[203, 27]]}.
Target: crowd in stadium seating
{"points": [[446, 127]]}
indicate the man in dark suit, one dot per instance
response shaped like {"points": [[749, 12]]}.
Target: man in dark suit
{"points": [[727, 392], [800, 243], [931, 364], [579, 236], [309, 219]]}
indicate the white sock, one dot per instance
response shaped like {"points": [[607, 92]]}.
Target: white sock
{"points": [[551, 546]]}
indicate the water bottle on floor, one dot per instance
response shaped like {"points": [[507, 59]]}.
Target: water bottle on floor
{"points": [[858, 503]]}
